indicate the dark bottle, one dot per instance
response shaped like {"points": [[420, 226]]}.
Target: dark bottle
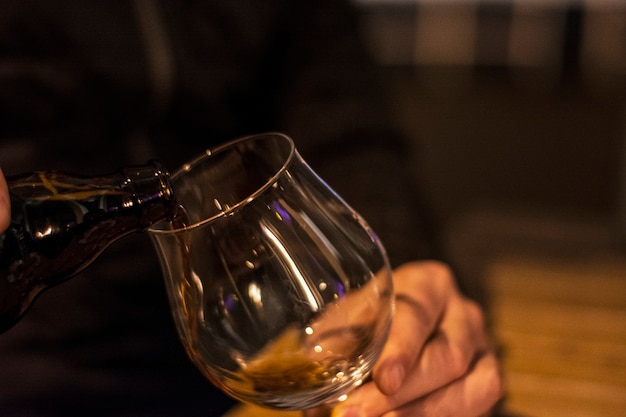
{"points": [[61, 222]]}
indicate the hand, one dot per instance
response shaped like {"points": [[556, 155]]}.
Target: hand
{"points": [[438, 359], [5, 204]]}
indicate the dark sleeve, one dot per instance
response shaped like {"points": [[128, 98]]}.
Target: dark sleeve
{"points": [[298, 67], [334, 107]]}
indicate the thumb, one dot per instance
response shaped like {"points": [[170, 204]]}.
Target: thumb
{"points": [[5, 204]]}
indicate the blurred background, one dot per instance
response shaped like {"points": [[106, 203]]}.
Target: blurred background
{"points": [[517, 113]]}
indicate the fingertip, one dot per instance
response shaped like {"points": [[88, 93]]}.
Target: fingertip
{"points": [[392, 378]]}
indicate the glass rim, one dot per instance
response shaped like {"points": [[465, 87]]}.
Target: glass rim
{"points": [[208, 153]]}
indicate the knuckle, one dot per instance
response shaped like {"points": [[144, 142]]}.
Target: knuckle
{"points": [[435, 272], [439, 269], [475, 313], [494, 384], [458, 361]]}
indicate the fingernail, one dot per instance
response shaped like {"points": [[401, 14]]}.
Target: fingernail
{"points": [[348, 411], [392, 378]]}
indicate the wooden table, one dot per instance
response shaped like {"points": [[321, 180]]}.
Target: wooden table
{"points": [[562, 325]]}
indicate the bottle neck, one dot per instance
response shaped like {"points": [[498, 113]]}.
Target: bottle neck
{"points": [[151, 192]]}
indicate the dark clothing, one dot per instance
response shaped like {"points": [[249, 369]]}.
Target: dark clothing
{"points": [[87, 87]]}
